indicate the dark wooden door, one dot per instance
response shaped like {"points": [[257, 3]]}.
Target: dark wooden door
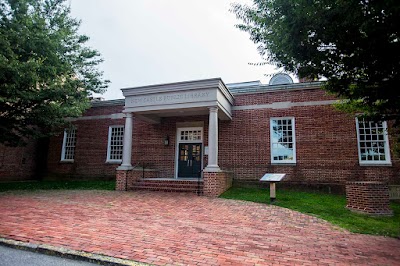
{"points": [[189, 160]]}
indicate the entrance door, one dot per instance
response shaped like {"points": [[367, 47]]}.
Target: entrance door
{"points": [[189, 161]]}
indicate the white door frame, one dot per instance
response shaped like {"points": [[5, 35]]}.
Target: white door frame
{"points": [[179, 141]]}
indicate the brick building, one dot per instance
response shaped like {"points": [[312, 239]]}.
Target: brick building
{"points": [[205, 133]]}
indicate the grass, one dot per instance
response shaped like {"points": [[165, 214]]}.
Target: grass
{"points": [[329, 207], [43, 185]]}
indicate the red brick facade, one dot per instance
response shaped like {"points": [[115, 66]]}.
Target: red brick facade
{"points": [[326, 147], [368, 197], [216, 183], [17, 164], [326, 142], [90, 151], [125, 179]]}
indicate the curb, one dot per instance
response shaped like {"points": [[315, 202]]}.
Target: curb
{"points": [[69, 253]]}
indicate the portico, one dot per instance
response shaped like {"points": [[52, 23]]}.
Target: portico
{"points": [[153, 104]]}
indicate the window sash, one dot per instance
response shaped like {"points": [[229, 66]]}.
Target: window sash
{"points": [[68, 147], [115, 144], [283, 140], [372, 142]]}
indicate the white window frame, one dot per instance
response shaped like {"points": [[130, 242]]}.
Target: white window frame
{"points": [[294, 160], [386, 147], [179, 130], [110, 128], [67, 131]]}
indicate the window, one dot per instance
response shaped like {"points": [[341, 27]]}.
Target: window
{"points": [[373, 143], [283, 141], [115, 144], [68, 148], [190, 134]]}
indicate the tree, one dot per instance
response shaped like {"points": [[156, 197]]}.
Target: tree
{"points": [[46, 71], [354, 44]]}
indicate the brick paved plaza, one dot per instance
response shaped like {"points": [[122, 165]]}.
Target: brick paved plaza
{"points": [[184, 229]]}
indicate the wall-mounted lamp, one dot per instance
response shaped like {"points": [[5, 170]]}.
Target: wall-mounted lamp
{"points": [[166, 140]]}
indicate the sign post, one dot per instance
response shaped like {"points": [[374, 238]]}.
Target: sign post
{"points": [[272, 179], [272, 191]]}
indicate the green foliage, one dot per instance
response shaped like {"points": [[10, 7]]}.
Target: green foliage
{"points": [[329, 207], [46, 71], [355, 44], [44, 185]]}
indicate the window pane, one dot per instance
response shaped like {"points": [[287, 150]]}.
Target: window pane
{"points": [[282, 140], [372, 141], [69, 144], [190, 135], [116, 144]]}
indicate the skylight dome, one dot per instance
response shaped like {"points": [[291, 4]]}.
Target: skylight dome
{"points": [[280, 79]]}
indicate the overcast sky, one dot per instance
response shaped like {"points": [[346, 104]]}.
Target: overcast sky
{"points": [[146, 42]]}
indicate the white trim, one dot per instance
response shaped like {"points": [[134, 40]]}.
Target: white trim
{"points": [[180, 129], [108, 160], [286, 162], [275, 105], [388, 161], [96, 117], [180, 86], [265, 88], [63, 146], [179, 96], [178, 141], [282, 105], [63, 149]]}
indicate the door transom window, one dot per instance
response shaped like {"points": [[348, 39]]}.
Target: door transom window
{"points": [[190, 135]]}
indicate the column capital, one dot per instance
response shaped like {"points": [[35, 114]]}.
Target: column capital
{"points": [[128, 115], [213, 109]]}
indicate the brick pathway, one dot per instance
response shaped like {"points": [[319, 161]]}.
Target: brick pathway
{"points": [[184, 229]]}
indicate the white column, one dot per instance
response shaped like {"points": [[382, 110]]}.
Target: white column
{"points": [[213, 141], [127, 151]]}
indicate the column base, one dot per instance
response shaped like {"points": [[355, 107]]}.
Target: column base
{"points": [[122, 178], [212, 168], [216, 183], [125, 167]]}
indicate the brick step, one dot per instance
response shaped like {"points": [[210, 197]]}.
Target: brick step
{"points": [[169, 182], [168, 185], [166, 189]]}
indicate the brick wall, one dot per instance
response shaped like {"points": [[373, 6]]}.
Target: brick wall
{"points": [[148, 147], [326, 143], [216, 183], [19, 163], [289, 95], [125, 179], [368, 197], [326, 152], [90, 149]]}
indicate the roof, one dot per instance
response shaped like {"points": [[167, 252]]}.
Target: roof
{"points": [[248, 87]]}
